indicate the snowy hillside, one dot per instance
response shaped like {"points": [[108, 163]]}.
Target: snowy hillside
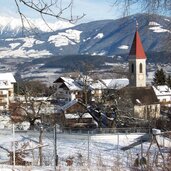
{"points": [[157, 28], [106, 37], [15, 44]]}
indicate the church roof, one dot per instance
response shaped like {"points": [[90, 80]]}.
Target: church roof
{"points": [[137, 49], [140, 95]]}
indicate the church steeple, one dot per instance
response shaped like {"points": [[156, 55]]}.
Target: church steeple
{"points": [[137, 62], [137, 49]]}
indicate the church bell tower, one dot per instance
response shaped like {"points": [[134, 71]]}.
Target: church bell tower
{"points": [[137, 62]]}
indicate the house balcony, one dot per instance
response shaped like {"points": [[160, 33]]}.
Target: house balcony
{"points": [[3, 95], [168, 103], [3, 103]]}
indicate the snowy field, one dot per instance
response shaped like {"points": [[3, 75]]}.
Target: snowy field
{"points": [[88, 152]]}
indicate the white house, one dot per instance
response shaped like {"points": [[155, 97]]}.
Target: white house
{"points": [[7, 81], [68, 88], [116, 83], [163, 93], [98, 87]]}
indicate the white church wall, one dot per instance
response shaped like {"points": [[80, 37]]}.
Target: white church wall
{"points": [[147, 111]]}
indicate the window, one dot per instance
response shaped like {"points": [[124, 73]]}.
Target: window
{"points": [[141, 68], [9, 93], [164, 100], [132, 68]]}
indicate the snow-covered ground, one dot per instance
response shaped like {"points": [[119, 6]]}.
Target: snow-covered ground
{"points": [[103, 151], [65, 38], [157, 28]]}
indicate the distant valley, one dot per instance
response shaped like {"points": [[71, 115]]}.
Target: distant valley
{"points": [[68, 48]]}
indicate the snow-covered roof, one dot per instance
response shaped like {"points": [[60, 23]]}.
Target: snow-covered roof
{"points": [[162, 90], [76, 116], [67, 79], [116, 83], [69, 104], [98, 85], [5, 84], [7, 76], [63, 79], [71, 84]]}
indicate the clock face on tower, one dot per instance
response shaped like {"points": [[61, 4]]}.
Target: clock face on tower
{"points": [[141, 77]]}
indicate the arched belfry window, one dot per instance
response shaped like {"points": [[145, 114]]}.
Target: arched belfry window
{"points": [[141, 68], [132, 68]]}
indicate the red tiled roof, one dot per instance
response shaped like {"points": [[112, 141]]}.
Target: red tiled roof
{"points": [[137, 49]]}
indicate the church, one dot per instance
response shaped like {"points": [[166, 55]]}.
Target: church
{"points": [[143, 97]]}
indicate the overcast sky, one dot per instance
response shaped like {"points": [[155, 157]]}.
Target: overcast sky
{"points": [[94, 9]]}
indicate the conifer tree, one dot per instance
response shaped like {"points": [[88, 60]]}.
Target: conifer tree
{"points": [[159, 77], [168, 81]]}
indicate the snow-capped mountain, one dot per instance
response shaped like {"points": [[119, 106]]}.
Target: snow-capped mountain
{"points": [[106, 37], [12, 27]]}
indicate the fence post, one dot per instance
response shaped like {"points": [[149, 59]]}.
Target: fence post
{"points": [[117, 141], [13, 133], [88, 157], [141, 153], [118, 147], [163, 142], [55, 148]]}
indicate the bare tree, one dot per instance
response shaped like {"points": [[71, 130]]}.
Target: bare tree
{"points": [[161, 7], [86, 80], [51, 8], [31, 106], [145, 5], [117, 106], [32, 100]]}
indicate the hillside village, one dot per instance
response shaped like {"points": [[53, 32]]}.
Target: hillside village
{"points": [[81, 89], [82, 103]]}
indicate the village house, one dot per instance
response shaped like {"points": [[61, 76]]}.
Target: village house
{"points": [[7, 82], [163, 93], [100, 87], [97, 88], [68, 89], [74, 115]]}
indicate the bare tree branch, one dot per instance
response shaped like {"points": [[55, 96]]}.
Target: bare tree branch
{"points": [[52, 8], [147, 5]]}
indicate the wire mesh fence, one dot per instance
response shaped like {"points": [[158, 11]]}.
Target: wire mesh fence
{"points": [[104, 149]]}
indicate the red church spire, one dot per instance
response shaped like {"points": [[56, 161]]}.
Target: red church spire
{"points": [[137, 49]]}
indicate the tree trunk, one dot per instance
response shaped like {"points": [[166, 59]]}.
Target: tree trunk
{"points": [[31, 124]]}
